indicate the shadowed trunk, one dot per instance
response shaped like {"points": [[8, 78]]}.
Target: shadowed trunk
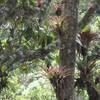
{"points": [[68, 45], [59, 90], [92, 92]]}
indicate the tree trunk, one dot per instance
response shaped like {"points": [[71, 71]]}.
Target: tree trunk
{"points": [[92, 92], [68, 44]]}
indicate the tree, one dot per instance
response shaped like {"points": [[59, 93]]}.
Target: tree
{"points": [[68, 44]]}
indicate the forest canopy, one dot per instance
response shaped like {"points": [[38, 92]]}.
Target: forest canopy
{"points": [[49, 49]]}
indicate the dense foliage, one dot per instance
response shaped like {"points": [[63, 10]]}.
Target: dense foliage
{"points": [[29, 46]]}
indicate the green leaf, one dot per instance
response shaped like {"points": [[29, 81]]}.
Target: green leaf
{"points": [[3, 68], [2, 1], [57, 59], [85, 29]]}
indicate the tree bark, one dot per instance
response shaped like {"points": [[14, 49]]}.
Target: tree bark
{"points": [[92, 92], [68, 44]]}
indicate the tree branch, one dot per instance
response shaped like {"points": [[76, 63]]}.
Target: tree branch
{"points": [[11, 58], [88, 16]]}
